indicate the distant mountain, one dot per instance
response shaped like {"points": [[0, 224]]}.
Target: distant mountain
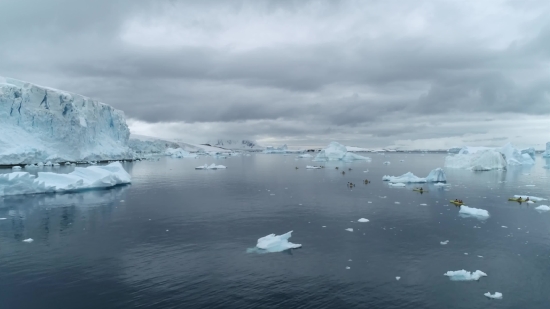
{"points": [[236, 144]]}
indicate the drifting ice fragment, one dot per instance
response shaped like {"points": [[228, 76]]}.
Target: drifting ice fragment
{"points": [[310, 167], [349, 229], [466, 211], [497, 295], [444, 242], [401, 185], [387, 162], [28, 240], [397, 278], [275, 243], [543, 208], [305, 155], [463, 275], [363, 220], [210, 167]]}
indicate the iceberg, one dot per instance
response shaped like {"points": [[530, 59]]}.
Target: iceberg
{"points": [[497, 295], [271, 149], [179, 153], [210, 167], [546, 154], [276, 243], [363, 220], [146, 146], [337, 152], [349, 229], [542, 208], [92, 177], [466, 211], [40, 124], [463, 275], [29, 240], [436, 175], [482, 160]]}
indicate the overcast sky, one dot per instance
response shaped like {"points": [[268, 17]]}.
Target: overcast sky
{"points": [[386, 73]]}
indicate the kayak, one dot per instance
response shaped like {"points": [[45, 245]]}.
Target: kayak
{"points": [[519, 199], [456, 203]]}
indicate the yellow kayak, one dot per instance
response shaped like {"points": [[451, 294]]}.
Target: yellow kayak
{"points": [[519, 199], [456, 203]]}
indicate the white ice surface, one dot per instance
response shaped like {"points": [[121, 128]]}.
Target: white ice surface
{"points": [[481, 160], [363, 220], [543, 208], [81, 178], [399, 184], [29, 240], [312, 167], [497, 295], [276, 243], [337, 152], [436, 175], [349, 229], [305, 155], [466, 211], [463, 275], [179, 153], [546, 154], [210, 167]]}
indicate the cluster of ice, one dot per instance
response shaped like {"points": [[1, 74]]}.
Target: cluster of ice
{"points": [[486, 158], [466, 211], [463, 275], [436, 175], [276, 243], [210, 167], [546, 154], [81, 178], [271, 149], [40, 124], [497, 295], [179, 153], [337, 152]]}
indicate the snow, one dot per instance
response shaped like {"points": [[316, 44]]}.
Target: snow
{"points": [[466, 211], [543, 208], [337, 152], [463, 275], [435, 175], [243, 144], [91, 177], [276, 243], [179, 153], [28, 240], [363, 220], [305, 155], [210, 167], [532, 198], [497, 295], [41, 124], [312, 167], [479, 160]]}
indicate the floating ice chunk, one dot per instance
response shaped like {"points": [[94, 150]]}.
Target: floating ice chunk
{"points": [[305, 155], [210, 167], [337, 152], [347, 267], [436, 175], [532, 198], [399, 184], [440, 184], [504, 227], [397, 278], [16, 167], [17, 183], [349, 229], [28, 240], [497, 295], [49, 163], [275, 243], [271, 149], [463, 275], [466, 211], [444, 242], [543, 208], [3, 218], [482, 160], [363, 220], [423, 204], [310, 167]]}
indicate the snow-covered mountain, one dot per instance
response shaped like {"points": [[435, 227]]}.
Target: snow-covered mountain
{"points": [[43, 124], [243, 144]]}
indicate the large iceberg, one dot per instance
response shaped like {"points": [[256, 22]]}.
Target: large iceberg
{"points": [[271, 149], [482, 160], [463, 275], [337, 152], [436, 175], [179, 153], [546, 154], [40, 124], [81, 178], [275, 243]]}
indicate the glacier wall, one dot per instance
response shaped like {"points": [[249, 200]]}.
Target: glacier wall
{"points": [[40, 124]]}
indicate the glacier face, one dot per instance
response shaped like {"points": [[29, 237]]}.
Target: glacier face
{"points": [[44, 124]]}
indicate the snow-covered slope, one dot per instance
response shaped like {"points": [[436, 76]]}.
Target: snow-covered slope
{"points": [[145, 145], [237, 144], [43, 124]]}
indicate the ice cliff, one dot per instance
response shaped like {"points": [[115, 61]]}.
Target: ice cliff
{"points": [[40, 124], [337, 152]]}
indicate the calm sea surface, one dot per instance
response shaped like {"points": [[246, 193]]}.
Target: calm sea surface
{"points": [[178, 238]]}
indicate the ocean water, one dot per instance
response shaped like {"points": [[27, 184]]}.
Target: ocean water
{"points": [[178, 238]]}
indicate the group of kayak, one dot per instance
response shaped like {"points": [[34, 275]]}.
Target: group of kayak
{"points": [[520, 200]]}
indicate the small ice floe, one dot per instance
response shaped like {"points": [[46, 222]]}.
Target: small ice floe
{"points": [[347, 267], [324, 226], [382, 196], [274, 243], [30, 166], [210, 167], [363, 220], [465, 253], [480, 256], [423, 204], [463, 275], [529, 185], [504, 227], [122, 201], [397, 202], [444, 242], [542, 208], [399, 185], [349, 229], [56, 164], [272, 194], [305, 155], [16, 167], [387, 163], [397, 278], [312, 167], [497, 295], [3, 218], [366, 171], [441, 184], [28, 240], [477, 213]]}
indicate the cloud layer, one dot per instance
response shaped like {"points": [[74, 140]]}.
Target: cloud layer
{"points": [[373, 73]]}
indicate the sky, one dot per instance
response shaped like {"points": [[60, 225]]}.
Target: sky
{"points": [[370, 73]]}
